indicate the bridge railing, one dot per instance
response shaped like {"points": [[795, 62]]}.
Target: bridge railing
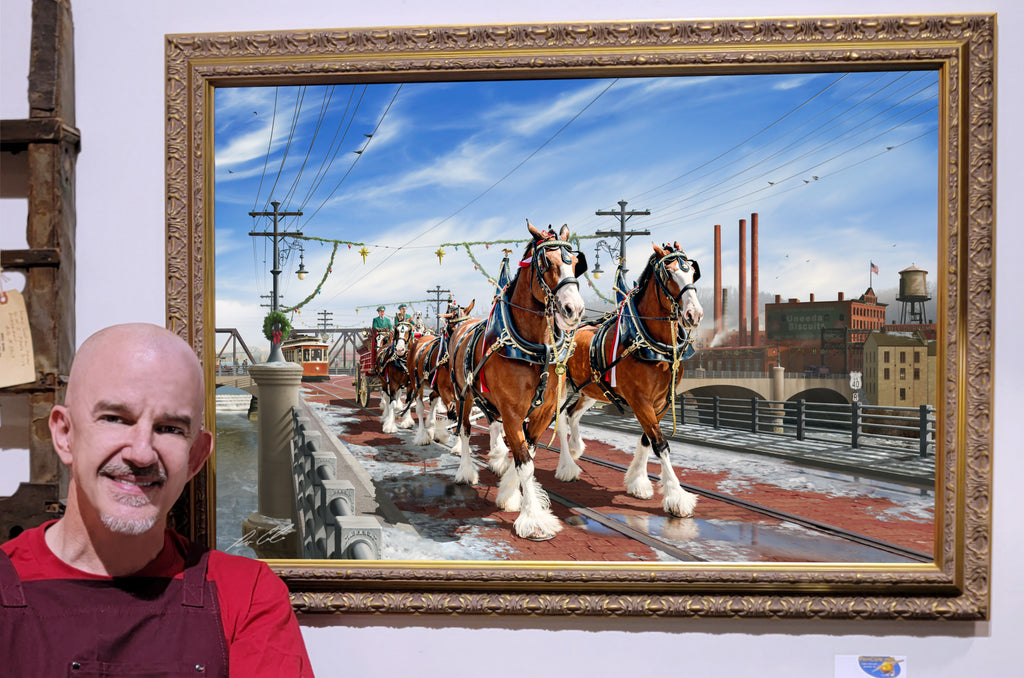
{"points": [[327, 525], [865, 426], [751, 374]]}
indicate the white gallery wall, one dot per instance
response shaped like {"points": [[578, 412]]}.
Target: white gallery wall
{"points": [[120, 277]]}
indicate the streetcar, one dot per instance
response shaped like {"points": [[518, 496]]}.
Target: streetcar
{"points": [[311, 353]]}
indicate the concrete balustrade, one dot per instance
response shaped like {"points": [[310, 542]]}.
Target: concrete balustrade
{"points": [[328, 524]]}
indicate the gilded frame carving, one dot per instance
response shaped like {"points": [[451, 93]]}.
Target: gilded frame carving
{"points": [[961, 48]]}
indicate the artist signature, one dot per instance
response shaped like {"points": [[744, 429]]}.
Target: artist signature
{"points": [[272, 536]]}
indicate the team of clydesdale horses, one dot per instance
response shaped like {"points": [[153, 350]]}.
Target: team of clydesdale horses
{"points": [[535, 353]]}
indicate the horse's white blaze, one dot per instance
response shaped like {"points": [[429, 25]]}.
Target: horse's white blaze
{"points": [[690, 310], [637, 483], [535, 521], [678, 501], [570, 302], [467, 473]]}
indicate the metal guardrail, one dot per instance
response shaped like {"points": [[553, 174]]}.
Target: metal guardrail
{"points": [[748, 374], [327, 525], [865, 426]]}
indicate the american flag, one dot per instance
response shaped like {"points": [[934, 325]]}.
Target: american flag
{"points": [[874, 269]]}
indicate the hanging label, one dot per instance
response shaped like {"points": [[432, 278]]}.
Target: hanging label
{"points": [[17, 363]]}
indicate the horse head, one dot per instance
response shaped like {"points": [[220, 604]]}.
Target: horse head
{"points": [[556, 267], [676, 274], [455, 314], [402, 335]]}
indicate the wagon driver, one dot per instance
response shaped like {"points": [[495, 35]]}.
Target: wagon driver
{"points": [[108, 587], [401, 316], [381, 323]]}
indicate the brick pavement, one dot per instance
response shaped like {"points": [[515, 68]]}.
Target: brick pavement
{"points": [[600, 488]]}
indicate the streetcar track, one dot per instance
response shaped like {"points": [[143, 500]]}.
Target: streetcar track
{"points": [[646, 538]]}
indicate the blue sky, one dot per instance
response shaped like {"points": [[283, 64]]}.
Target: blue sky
{"points": [[841, 168]]}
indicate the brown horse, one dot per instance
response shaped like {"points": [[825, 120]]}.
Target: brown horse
{"points": [[394, 376], [512, 367], [429, 374], [632, 358]]}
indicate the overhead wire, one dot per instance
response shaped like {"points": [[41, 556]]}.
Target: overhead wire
{"points": [[489, 188]]}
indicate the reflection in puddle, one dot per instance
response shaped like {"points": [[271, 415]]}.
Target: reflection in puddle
{"points": [[734, 540]]}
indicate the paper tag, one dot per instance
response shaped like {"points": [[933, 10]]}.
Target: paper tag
{"points": [[17, 363]]}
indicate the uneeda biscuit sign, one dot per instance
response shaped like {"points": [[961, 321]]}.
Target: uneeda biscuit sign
{"points": [[876, 666]]}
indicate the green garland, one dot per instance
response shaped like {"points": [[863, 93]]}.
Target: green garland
{"points": [[467, 244], [330, 267], [276, 318]]}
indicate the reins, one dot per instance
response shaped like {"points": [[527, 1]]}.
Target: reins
{"points": [[554, 341]]}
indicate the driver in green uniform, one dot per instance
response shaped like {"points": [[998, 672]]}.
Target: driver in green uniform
{"points": [[401, 316], [381, 323]]}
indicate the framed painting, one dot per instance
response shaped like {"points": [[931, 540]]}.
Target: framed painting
{"points": [[462, 126]]}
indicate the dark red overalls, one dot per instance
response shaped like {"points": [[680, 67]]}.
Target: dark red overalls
{"points": [[128, 626]]}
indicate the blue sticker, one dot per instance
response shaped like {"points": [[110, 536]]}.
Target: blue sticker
{"points": [[880, 667]]}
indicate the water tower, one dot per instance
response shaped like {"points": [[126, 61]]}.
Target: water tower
{"points": [[913, 294]]}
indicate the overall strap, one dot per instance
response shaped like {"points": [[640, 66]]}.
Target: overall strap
{"points": [[11, 593], [194, 577]]}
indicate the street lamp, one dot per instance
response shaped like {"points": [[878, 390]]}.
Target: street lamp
{"points": [[598, 246], [301, 273]]}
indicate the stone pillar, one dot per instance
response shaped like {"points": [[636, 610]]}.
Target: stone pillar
{"points": [[778, 387], [271, 530]]}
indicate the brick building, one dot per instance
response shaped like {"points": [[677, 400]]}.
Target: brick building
{"points": [[899, 369]]}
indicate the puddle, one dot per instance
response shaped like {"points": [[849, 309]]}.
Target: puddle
{"points": [[733, 540]]}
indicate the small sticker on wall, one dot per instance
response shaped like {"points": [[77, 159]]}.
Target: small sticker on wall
{"points": [[875, 666]]}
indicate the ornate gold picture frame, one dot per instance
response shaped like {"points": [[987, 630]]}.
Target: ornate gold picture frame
{"points": [[960, 48]]}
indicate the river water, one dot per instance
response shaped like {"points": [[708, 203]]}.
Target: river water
{"points": [[236, 467]]}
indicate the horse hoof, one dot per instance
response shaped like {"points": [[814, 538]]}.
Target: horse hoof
{"points": [[540, 536]]}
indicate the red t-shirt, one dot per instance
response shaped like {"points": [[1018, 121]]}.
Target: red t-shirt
{"points": [[260, 629]]}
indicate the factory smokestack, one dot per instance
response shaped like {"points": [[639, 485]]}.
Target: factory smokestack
{"points": [[718, 279], [743, 283], [755, 317]]}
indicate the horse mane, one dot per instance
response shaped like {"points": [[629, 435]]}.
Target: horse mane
{"points": [[648, 271]]}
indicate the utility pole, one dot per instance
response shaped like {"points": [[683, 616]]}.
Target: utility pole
{"points": [[266, 296], [437, 291], [623, 216], [276, 235], [324, 320]]}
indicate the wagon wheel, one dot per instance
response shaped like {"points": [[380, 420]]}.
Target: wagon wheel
{"points": [[362, 390]]}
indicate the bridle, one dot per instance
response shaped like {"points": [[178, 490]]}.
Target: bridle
{"points": [[540, 264], [662, 277]]}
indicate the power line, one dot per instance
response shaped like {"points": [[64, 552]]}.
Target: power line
{"points": [[489, 188]]}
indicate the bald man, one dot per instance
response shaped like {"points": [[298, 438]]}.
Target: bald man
{"points": [[108, 587]]}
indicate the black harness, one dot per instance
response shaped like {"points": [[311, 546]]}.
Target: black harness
{"points": [[627, 327], [499, 333]]}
